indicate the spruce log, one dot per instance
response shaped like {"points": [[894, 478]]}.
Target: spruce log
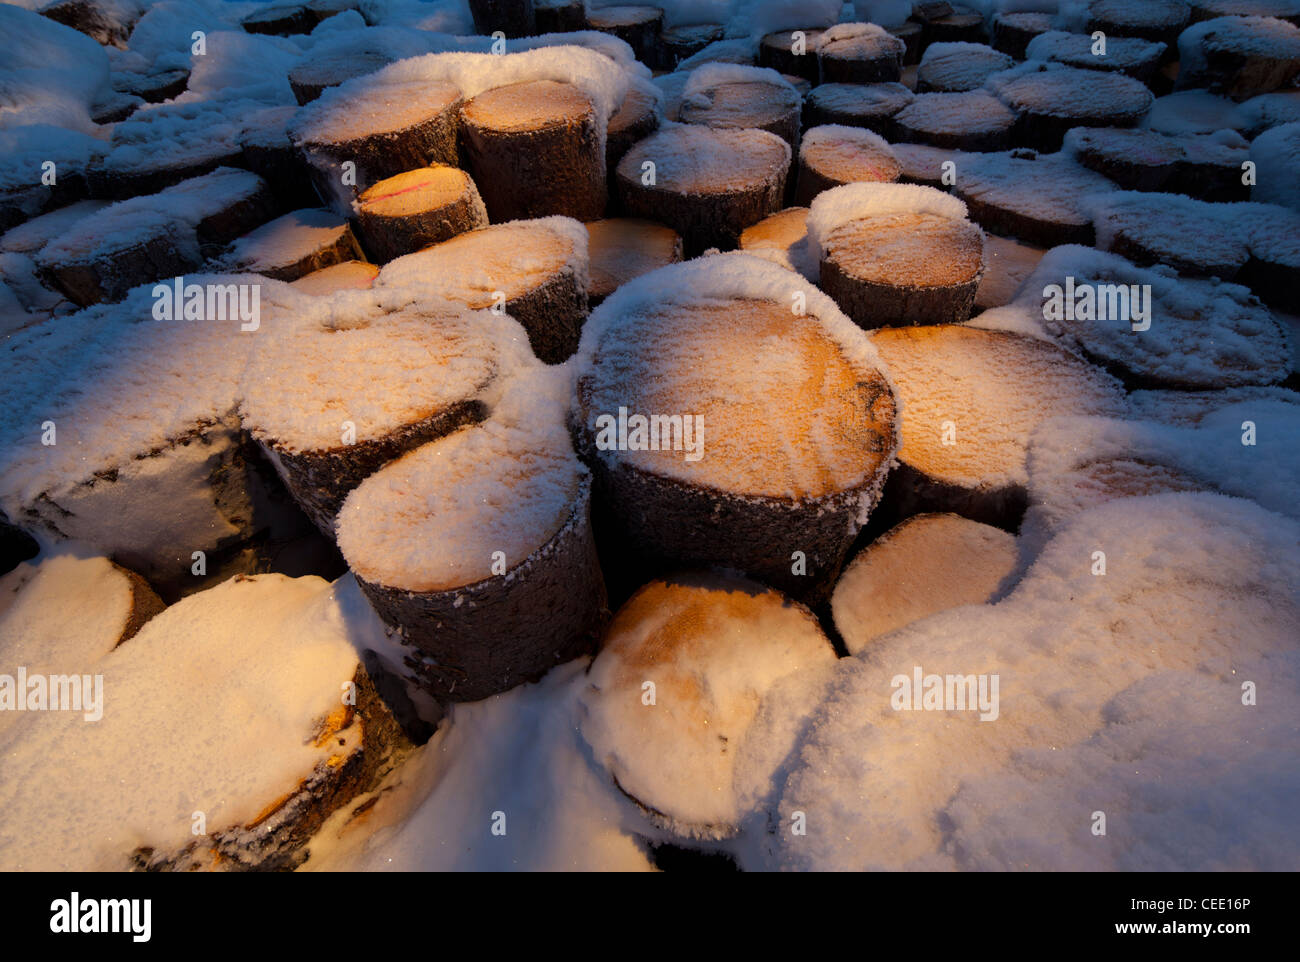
{"points": [[637, 26], [419, 126], [911, 268], [534, 149], [832, 156], [413, 210], [777, 51], [530, 270], [296, 244], [973, 399], [706, 184], [762, 487]]}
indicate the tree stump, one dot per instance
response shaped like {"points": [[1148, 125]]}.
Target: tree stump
{"points": [[500, 580], [348, 276], [678, 43], [559, 16], [1239, 57], [741, 105], [1039, 199], [783, 239], [865, 54], [1013, 31], [514, 18], [927, 564], [314, 76], [379, 388], [958, 67], [1050, 102], [778, 52]]}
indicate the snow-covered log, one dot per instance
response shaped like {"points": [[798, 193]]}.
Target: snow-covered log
{"points": [[706, 184], [706, 398]]}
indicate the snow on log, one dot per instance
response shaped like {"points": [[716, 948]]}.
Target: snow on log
{"points": [[832, 156], [281, 20], [1152, 329], [478, 547], [706, 184], [408, 212], [679, 43], [927, 564], [61, 613], [858, 53], [975, 120], [1205, 166], [157, 148], [412, 124], [922, 164], [348, 276], [534, 270], [1159, 21], [1051, 100], [783, 239], [1239, 57], [857, 105], [958, 67], [637, 26], [1191, 236], [146, 238], [144, 406], [1139, 59], [315, 75], [1013, 31], [777, 51], [705, 649], [380, 386], [108, 24], [294, 245], [1043, 200], [620, 249], [897, 254], [534, 149], [735, 418], [312, 735], [972, 399], [736, 97]]}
